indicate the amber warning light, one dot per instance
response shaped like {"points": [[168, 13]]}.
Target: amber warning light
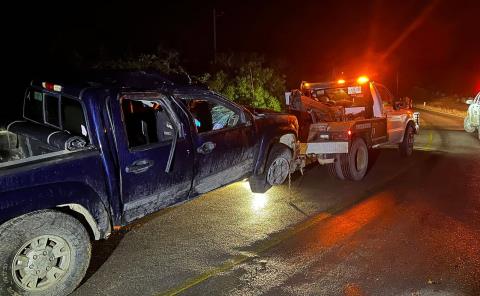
{"points": [[362, 80]]}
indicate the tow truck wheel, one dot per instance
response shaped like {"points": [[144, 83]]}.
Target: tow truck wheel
{"points": [[406, 147], [335, 169], [276, 171], [43, 253], [467, 126], [355, 163]]}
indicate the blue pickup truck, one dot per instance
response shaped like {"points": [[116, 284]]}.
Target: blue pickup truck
{"points": [[97, 154]]}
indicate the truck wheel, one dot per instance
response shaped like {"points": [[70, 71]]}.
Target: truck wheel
{"points": [[355, 163], [276, 170], [406, 147], [467, 126], [335, 169], [43, 253]]}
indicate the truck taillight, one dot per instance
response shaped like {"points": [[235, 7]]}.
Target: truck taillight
{"points": [[51, 86]]}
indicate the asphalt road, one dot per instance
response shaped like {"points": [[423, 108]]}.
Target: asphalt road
{"points": [[412, 227]]}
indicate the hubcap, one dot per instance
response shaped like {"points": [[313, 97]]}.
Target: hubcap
{"points": [[41, 262], [278, 171], [361, 160]]}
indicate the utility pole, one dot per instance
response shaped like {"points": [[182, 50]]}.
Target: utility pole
{"points": [[397, 83], [214, 37]]}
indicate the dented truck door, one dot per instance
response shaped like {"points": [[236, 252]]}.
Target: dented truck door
{"points": [[155, 153]]}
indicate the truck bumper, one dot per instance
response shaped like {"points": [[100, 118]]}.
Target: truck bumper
{"points": [[324, 148]]}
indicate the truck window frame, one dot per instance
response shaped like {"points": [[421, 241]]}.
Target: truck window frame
{"points": [[144, 147], [220, 100]]}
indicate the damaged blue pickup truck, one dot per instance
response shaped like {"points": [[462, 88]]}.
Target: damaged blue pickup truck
{"points": [[89, 156]]}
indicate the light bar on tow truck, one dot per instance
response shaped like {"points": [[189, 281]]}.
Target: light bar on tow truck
{"points": [[363, 80]]}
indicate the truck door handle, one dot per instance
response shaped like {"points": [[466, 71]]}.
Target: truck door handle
{"points": [[206, 148], [139, 166]]}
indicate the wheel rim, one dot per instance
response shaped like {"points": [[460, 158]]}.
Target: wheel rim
{"points": [[41, 263], [361, 159], [278, 171]]}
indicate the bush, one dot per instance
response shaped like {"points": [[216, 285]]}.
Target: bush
{"points": [[243, 78], [247, 80]]}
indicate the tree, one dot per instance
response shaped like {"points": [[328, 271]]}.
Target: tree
{"points": [[163, 60], [242, 78], [246, 79]]}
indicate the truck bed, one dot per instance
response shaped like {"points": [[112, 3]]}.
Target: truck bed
{"points": [[16, 149]]}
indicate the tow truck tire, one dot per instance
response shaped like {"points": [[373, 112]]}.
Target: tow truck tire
{"points": [[278, 166], [335, 169], [467, 126], [354, 164], [406, 147], [43, 253]]}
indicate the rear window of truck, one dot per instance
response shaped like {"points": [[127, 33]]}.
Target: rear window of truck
{"points": [[55, 110]]}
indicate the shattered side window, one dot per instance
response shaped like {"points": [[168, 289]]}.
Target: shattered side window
{"points": [[209, 115], [221, 116]]}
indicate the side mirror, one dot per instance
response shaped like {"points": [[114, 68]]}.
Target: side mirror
{"points": [[469, 102], [397, 105]]}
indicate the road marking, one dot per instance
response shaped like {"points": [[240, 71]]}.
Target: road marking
{"points": [[275, 239], [245, 256], [427, 147]]}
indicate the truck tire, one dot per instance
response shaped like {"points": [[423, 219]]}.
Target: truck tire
{"points": [[354, 164], [335, 169], [43, 253], [406, 147], [276, 170]]}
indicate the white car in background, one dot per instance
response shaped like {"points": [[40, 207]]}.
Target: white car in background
{"points": [[472, 121]]}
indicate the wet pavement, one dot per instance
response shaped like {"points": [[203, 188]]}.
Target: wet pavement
{"points": [[412, 227]]}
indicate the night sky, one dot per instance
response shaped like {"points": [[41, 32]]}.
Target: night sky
{"points": [[433, 44]]}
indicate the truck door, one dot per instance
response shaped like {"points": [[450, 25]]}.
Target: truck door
{"points": [[154, 152], [224, 141], [396, 119]]}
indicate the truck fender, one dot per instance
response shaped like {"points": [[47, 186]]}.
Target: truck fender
{"points": [[88, 218], [286, 137], [289, 140], [74, 198]]}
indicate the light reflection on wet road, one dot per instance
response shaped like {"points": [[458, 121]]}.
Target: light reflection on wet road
{"points": [[412, 227]]}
